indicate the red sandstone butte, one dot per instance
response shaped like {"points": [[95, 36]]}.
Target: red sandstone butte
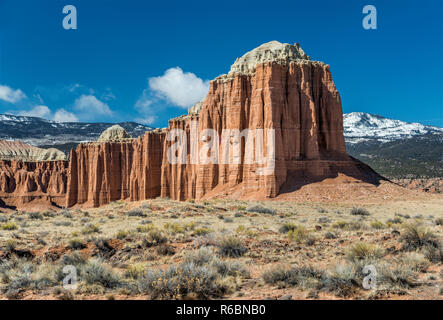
{"points": [[275, 86]]}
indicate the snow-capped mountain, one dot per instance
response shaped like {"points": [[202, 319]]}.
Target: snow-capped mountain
{"points": [[394, 148], [360, 126], [40, 132]]}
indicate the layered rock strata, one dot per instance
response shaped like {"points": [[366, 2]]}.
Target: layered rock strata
{"points": [[44, 182], [275, 92]]}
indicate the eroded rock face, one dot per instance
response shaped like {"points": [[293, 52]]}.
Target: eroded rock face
{"points": [[100, 173], [42, 182], [275, 88], [294, 96]]}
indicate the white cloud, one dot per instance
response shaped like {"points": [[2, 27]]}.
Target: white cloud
{"points": [[37, 111], [91, 107], [62, 115], [183, 89], [10, 95], [146, 120]]}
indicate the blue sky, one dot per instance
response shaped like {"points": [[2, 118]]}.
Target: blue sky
{"points": [[147, 61]]}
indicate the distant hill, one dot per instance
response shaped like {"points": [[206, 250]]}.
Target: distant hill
{"points": [[394, 148], [61, 135]]}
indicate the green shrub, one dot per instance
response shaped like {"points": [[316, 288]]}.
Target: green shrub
{"points": [[260, 209], [377, 225], [231, 247], [91, 228], [362, 251], [301, 234], [359, 212], [95, 272], [299, 276], [8, 226]]}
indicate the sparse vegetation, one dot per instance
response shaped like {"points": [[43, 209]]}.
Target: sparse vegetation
{"points": [[189, 250], [360, 212]]}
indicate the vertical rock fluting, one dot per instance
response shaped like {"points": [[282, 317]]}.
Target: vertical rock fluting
{"points": [[100, 173], [298, 100], [42, 181], [274, 91]]}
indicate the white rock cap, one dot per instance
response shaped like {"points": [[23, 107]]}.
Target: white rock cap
{"points": [[273, 51], [114, 133]]}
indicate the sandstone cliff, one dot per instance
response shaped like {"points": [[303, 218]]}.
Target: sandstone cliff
{"points": [[275, 86], [40, 182], [275, 92], [103, 172]]}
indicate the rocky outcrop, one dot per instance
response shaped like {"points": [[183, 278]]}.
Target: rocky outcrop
{"points": [[39, 182], [17, 150], [114, 133], [100, 173], [277, 87], [275, 92]]}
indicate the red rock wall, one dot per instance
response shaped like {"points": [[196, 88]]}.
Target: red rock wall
{"points": [[41, 182], [100, 173], [299, 101]]}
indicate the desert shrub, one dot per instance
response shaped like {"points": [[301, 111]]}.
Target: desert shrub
{"points": [[362, 251], [330, 235], [122, 234], [229, 268], [342, 280], [200, 257], [399, 276], [165, 250], [299, 276], [76, 244], [287, 227], [201, 231], [136, 213], [154, 238], [62, 223], [415, 237], [228, 220], [395, 220], [181, 281], [8, 226], [11, 245], [260, 209], [174, 228], [301, 234], [145, 228], [349, 226], [20, 274], [75, 259], [324, 220], [231, 247], [415, 261], [439, 221], [67, 214], [35, 215], [377, 225], [48, 214], [91, 228], [95, 272], [3, 219], [135, 271], [359, 212]]}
